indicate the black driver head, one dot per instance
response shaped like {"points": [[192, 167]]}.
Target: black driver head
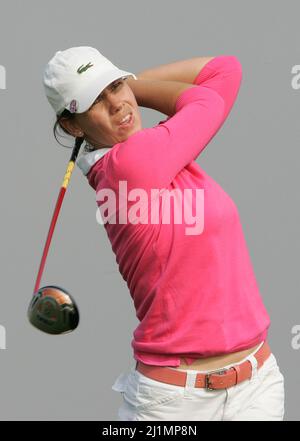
{"points": [[53, 310]]}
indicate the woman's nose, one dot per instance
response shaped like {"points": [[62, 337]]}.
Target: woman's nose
{"points": [[116, 107], [114, 101]]}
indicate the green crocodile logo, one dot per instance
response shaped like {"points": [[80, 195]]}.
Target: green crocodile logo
{"points": [[83, 68]]}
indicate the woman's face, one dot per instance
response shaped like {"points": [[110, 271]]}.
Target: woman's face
{"points": [[100, 124]]}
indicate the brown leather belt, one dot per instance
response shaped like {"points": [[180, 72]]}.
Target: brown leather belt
{"points": [[220, 379]]}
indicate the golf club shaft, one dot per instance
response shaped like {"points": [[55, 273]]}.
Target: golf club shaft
{"points": [[60, 198]]}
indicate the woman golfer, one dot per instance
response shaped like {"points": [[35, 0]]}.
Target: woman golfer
{"points": [[201, 347]]}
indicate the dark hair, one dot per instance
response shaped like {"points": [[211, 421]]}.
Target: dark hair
{"points": [[65, 114]]}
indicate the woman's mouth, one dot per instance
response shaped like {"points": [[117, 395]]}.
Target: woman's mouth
{"points": [[127, 121]]}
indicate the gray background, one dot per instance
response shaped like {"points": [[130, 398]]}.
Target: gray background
{"points": [[255, 157]]}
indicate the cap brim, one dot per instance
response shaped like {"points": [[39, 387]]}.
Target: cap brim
{"points": [[87, 96]]}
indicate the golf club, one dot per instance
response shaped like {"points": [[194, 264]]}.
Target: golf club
{"points": [[52, 309]]}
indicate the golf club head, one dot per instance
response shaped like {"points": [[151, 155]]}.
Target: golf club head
{"points": [[53, 310]]}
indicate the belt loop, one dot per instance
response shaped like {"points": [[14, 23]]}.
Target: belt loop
{"points": [[253, 360], [254, 364], [190, 379]]}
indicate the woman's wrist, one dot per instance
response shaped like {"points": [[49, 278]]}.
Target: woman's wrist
{"points": [[183, 71]]}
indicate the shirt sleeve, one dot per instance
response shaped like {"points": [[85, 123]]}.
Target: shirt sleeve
{"points": [[223, 74], [152, 157]]}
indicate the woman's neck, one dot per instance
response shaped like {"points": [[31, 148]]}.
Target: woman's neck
{"points": [[88, 146]]}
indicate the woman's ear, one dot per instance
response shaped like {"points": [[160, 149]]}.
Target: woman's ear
{"points": [[71, 127]]}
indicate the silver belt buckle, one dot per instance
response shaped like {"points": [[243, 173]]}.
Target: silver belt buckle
{"points": [[207, 383]]}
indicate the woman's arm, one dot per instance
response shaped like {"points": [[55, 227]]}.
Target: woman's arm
{"points": [[157, 94], [159, 88], [184, 71]]}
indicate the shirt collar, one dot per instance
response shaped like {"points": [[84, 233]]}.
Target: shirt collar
{"points": [[89, 156]]}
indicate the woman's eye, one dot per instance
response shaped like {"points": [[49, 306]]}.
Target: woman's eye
{"points": [[98, 99], [113, 87]]}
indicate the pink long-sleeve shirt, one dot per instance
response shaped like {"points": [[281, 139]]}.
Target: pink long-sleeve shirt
{"points": [[195, 294]]}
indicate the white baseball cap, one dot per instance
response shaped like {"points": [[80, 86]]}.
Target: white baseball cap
{"points": [[74, 78]]}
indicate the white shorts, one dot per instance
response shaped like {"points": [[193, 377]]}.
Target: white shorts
{"points": [[259, 398]]}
